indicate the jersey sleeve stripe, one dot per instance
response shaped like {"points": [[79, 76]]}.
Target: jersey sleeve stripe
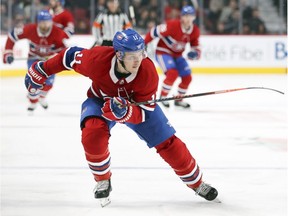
{"points": [[13, 36], [69, 56]]}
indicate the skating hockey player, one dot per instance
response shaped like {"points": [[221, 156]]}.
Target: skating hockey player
{"points": [[45, 40], [62, 18], [173, 37], [121, 75]]}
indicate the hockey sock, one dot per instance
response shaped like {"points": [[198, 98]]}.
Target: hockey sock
{"points": [[33, 98], [176, 154], [95, 136], [184, 84], [171, 76]]}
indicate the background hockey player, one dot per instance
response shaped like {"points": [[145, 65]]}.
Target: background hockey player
{"points": [[45, 40], [173, 37], [120, 76], [62, 17], [107, 23]]}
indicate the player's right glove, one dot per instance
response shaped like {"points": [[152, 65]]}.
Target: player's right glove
{"points": [[116, 109], [194, 54], [35, 78], [8, 58]]}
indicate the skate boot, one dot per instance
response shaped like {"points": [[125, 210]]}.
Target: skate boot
{"points": [[102, 192], [165, 103], [43, 103], [182, 104], [32, 107], [207, 192]]}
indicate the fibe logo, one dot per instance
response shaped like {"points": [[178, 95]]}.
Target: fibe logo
{"points": [[280, 51]]}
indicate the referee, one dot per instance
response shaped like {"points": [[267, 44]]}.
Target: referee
{"points": [[107, 23]]}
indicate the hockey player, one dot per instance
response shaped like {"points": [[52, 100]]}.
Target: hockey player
{"points": [[120, 76], [45, 40], [173, 37], [62, 17], [108, 23]]}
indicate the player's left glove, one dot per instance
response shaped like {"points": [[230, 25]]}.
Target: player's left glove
{"points": [[8, 58], [116, 109], [35, 78], [194, 54]]}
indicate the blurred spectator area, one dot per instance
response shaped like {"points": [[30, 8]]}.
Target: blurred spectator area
{"points": [[213, 16]]}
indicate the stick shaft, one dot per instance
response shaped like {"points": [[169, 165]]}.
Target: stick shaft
{"points": [[200, 94], [26, 59]]}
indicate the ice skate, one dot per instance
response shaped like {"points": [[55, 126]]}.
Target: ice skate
{"points": [[165, 103], [207, 192], [32, 107], [182, 104], [43, 103], [102, 192]]}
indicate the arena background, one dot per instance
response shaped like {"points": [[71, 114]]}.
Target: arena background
{"points": [[232, 50]]}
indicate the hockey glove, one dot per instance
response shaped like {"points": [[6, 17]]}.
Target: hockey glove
{"points": [[194, 54], [35, 78], [8, 58], [115, 109]]}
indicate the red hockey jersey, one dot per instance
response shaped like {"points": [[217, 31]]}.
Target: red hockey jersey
{"points": [[39, 45], [98, 64], [173, 38], [65, 21]]}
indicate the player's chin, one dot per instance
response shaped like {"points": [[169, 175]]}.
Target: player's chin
{"points": [[135, 68]]}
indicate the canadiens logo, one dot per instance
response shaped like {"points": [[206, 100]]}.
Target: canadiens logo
{"points": [[178, 46], [119, 37], [121, 82]]}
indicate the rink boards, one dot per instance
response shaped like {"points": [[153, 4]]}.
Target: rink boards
{"points": [[220, 55]]}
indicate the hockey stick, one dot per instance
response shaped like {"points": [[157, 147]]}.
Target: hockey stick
{"points": [[199, 95], [94, 44], [35, 58], [20, 59]]}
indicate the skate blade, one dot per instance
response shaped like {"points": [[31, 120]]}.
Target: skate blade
{"points": [[104, 201], [216, 200]]}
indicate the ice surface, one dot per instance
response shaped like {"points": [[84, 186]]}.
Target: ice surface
{"points": [[239, 140]]}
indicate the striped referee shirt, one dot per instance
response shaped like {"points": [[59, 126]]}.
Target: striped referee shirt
{"points": [[107, 24]]}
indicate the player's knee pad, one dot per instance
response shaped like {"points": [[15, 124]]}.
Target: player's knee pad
{"points": [[185, 81], [171, 76], [95, 136]]}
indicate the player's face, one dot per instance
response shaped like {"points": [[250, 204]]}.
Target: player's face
{"points": [[45, 26], [132, 60], [53, 3], [187, 21]]}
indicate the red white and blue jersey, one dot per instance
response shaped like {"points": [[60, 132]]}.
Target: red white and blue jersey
{"points": [[40, 45], [65, 21], [98, 64], [173, 38]]}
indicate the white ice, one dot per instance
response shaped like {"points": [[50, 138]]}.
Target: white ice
{"points": [[239, 140]]}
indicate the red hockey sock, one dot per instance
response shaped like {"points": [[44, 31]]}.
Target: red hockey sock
{"points": [[95, 136], [45, 90], [176, 154], [184, 84], [33, 98], [171, 76]]}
